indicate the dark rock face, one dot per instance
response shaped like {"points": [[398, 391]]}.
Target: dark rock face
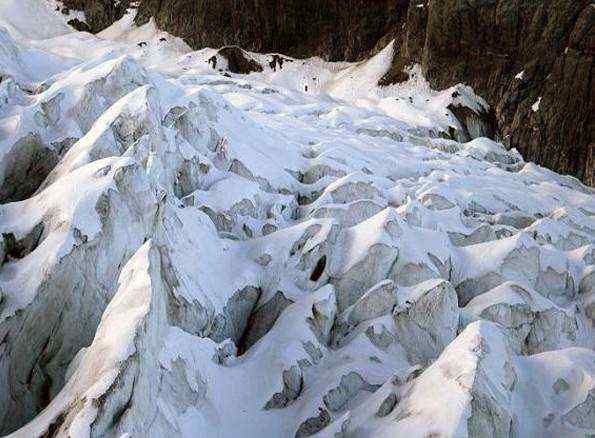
{"points": [[237, 60], [333, 29], [99, 14], [79, 25], [473, 123], [487, 43]]}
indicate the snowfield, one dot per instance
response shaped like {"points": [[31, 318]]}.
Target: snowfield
{"points": [[190, 252]]}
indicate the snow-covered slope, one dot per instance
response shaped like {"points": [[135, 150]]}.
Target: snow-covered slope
{"points": [[188, 252]]}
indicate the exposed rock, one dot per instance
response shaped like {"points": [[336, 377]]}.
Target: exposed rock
{"points": [[336, 30], [474, 123], [514, 56], [79, 25], [99, 14], [238, 61]]}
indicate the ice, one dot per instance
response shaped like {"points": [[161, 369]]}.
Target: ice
{"points": [[294, 251]]}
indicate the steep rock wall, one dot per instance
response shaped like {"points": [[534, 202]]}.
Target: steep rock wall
{"points": [[532, 60], [333, 29]]}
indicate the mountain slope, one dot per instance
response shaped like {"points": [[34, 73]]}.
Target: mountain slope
{"points": [[515, 53], [292, 251]]}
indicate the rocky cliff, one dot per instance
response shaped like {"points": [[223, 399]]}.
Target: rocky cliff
{"points": [[532, 60], [334, 29]]}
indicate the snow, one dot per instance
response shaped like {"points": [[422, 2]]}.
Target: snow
{"points": [[439, 401], [28, 65], [33, 20], [187, 210], [535, 106]]}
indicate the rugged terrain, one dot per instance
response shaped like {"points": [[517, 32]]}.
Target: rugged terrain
{"points": [[224, 243], [517, 54], [532, 60]]}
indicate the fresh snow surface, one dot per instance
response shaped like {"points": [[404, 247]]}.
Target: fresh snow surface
{"points": [[190, 252]]}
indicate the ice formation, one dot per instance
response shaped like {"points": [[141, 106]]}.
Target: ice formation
{"points": [[187, 251]]}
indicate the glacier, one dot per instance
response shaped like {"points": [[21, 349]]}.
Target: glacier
{"points": [[188, 251]]}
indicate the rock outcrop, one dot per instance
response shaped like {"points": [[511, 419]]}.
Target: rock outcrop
{"points": [[99, 14], [334, 29], [532, 62]]}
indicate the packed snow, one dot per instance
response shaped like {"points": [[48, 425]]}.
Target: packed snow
{"points": [[187, 251]]}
